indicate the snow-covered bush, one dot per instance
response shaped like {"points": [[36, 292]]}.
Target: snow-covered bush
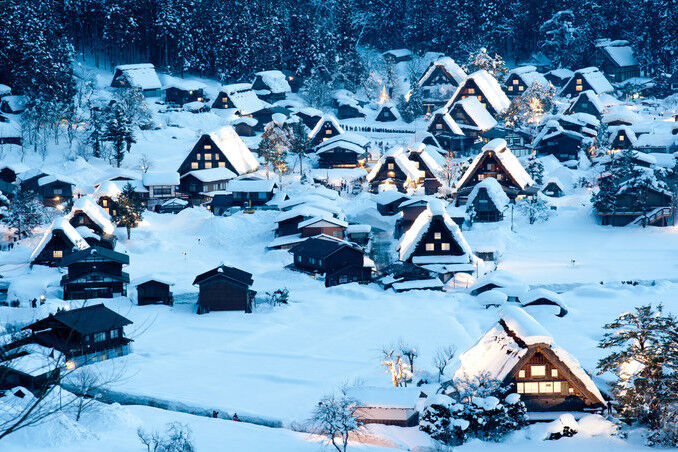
{"points": [[176, 438], [487, 418], [563, 427]]}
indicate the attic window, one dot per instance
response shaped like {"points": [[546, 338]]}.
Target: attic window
{"points": [[471, 91], [328, 132], [579, 88], [538, 371], [207, 146], [510, 88], [390, 166], [515, 81], [58, 254], [430, 247], [445, 246], [554, 372], [521, 373], [579, 82], [439, 126], [104, 203], [437, 235], [208, 164], [621, 137]]}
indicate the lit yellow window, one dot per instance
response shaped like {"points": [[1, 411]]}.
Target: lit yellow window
{"points": [[521, 373], [437, 235], [390, 166], [510, 88], [430, 247], [515, 81], [579, 88], [538, 371], [328, 132], [208, 164], [554, 372], [194, 165], [104, 202], [58, 254], [579, 81], [520, 88], [621, 137], [207, 146], [208, 156], [222, 164], [445, 246], [557, 387]]}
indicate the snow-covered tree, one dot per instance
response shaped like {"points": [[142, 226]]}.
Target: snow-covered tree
{"points": [[25, 212], [130, 209], [535, 169], [495, 65], [298, 142], [535, 208], [119, 132], [643, 355], [335, 418], [529, 108], [560, 39]]}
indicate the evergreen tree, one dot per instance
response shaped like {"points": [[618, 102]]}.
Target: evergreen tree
{"points": [[119, 133], [299, 142], [644, 358], [25, 212], [535, 169], [130, 209]]}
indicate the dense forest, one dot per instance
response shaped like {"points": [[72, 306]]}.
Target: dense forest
{"points": [[231, 39]]}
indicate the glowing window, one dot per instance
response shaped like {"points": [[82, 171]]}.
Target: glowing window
{"points": [[222, 164], [520, 88], [208, 164], [579, 81], [546, 387], [58, 254], [538, 371], [510, 88], [391, 166], [104, 202], [557, 387], [621, 137], [570, 390], [515, 81], [521, 373], [194, 165], [430, 247], [554, 372], [579, 88], [207, 146], [437, 235], [531, 388], [445, 246], [328, 132], [208, 157], [520, 388]]}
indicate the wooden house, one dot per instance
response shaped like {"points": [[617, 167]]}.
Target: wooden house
{"points": [[388, 202], [386, 406], [559, 77], [83, 335], [106, 195], [429, 160], [483, 86], [5, 90], [553, 187], [521, 78], [563, 143], [138, 76], [271, 86], [239, 96], [59, 241], [324, 224], [174, 205], [589, 78], [340, 262], [397, 56], [30, 366], [586, 102], [487, 201], [95, 272], [179, 91], [152, 290], [394, 170], [616, 59], [52, 190], [435, 242], [358, 233], [472, 118], [521, 354], [222, 148], [622, 137], [196, 184], [224, 288], [326, 128], [444, 129], [161, 187], [439, 82], [13, 105], [497, 161], [409, 212], [657, 207], [387, 112], [346, 150], [251, 192]]}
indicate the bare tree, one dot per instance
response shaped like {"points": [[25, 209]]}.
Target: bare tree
{"points": [[335, 418], [409, 352], [177, 438], [393, 362], [443, 358], [87, 384]]}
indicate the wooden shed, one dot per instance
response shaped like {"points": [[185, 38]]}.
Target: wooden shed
{"points": [[153, 290], [224, 288]]}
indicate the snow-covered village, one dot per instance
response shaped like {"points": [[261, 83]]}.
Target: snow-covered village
{"points": [[338, 225]]}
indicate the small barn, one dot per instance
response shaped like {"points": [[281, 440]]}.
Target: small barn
{"points": [[324, 224], [340, 262], [553, 187], [429, 160], [13, 105], [153, 290], [271, 86], [224, 288], [138, 76], [309, 116], [396, 56], [544, 297], [179, 91], [239, 96], [195, 183], [519, 352]]}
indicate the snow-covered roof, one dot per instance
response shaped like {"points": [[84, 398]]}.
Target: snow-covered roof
{"points": [[276, 81], [449, 66], [5, 90], [234, 149], [494, 191], [507, 159], [656, 140], [497, 352], [429, 283], [592, 98], [398, 53], [235, 87], [561, 73], [322, 121], [62, 224], [595, 79], [447, 119], [247, 102], [156, 178], [211, 174], [358, 229], [183, 84], [385, 397], [141, 75], [433, 160], [490, 88], [150, 277], [33, 364], [16, 103], [478, 113], [406, 166], [621, 55], [529, 75], [326, 218], [391, 107], [541, 293], [348, 139], [175, 201], [251, 186], [109, 189], [509, 283], [94, 212], [621, 113], [409, 241], [51, 178]]}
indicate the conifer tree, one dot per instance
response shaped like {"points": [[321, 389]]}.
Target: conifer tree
{"points": [[130, 208]]}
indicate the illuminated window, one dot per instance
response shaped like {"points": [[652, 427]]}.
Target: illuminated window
{"points": [[546, 387], [621, 137], [216, 156], [521, 373], [557, 387], [437, 235], [104, 202], [531, 388], [510, 88], [520, 388], [222, 164], [190, 92], [58, 254], [579, 88], [520, 88], [538, 371], [515, 81], [194, 165], [207, 146], [570, 390], [208, 164], [430, 247], [391, 166], [208, 157], [471, 91], [445, 246], [579, 81], [328, 132], [554, 372], [439, 126]]}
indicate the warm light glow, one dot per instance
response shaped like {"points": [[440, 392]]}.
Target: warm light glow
{"points": [[70, 365], [383, 96]]}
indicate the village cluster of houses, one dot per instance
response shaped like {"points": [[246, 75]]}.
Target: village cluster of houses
{"points": [[414, 186]]}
